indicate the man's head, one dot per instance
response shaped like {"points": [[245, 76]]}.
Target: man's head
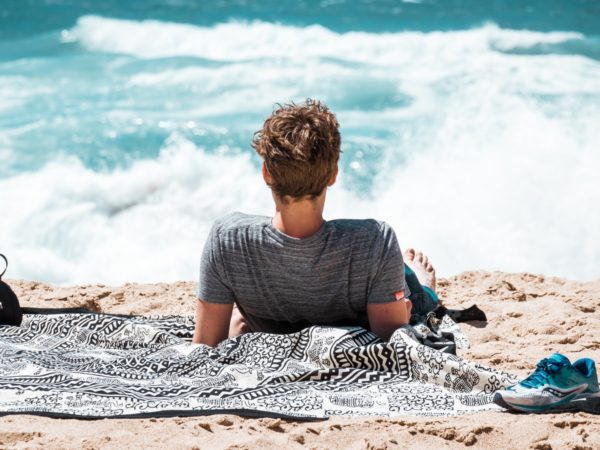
{"points": [[300, 146]]}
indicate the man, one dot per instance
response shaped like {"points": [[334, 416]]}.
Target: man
{"points": [[295, 269]]}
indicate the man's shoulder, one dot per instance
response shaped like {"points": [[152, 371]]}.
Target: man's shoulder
{"points": [[237, 221], [365, 227]]}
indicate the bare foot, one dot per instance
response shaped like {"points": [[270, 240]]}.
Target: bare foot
{"points": [[421, 266]]}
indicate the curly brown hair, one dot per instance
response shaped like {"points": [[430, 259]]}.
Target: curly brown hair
{"points": [[300, 145]]}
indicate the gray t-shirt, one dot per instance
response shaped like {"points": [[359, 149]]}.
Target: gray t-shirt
{"points": [[282, 284]]}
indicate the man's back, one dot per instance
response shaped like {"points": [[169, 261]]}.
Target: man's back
{"points": [[295, 269], [282, 284]]}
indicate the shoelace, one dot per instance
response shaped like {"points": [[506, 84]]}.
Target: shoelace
{"points": [[541, 374]]}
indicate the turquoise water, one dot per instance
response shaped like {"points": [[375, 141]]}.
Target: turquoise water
{"points": [[472, 127]]}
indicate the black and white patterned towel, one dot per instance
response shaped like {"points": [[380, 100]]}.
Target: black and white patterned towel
{"points": [[90, 365]]}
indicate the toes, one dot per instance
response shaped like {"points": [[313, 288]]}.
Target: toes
{"points": [[419, 257], [429, 267], [425, 260], [409, 254]]}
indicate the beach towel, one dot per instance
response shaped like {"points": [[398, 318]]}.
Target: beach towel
{"points": [[100, 366]]}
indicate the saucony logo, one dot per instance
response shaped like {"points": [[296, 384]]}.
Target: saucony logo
{"points": [[563, 393]]}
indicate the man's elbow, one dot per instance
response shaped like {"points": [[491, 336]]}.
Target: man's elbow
{"points": [[206, 340], [386, 318], [196, 339], [385, 333]]}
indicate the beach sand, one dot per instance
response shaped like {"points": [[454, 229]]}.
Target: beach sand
{"points": [[530, 317]]}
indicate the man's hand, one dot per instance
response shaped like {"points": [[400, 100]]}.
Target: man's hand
{"points": [[212, 323], [385, 318]]}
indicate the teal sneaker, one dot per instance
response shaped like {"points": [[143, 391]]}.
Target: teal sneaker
{"points": [[556, 384]]}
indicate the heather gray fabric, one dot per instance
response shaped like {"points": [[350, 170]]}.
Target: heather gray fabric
{"points": [[282, 284]]}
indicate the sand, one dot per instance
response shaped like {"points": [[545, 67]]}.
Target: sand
{"points": [[530, 316]]}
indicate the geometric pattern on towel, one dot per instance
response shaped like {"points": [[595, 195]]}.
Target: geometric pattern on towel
{"points": [[100, 366]]}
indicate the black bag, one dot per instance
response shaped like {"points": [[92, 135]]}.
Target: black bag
{"points": [[10, 310]]}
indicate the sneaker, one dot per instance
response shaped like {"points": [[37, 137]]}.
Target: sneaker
{"points": [[556, 385]]}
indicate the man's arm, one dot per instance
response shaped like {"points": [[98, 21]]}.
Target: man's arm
{"points": [[212, 322], [387, 305], [385, 318]]}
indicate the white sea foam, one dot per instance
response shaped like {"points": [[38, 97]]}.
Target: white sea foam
{"points": [[477, 167], [509, 207], [235, 41], [521, 199], [147, 223]]}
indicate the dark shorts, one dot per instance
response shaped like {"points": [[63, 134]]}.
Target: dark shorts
{"points": [[423, 298]]}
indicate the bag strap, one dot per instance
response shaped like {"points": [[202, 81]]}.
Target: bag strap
{"points": [[6, 265]]}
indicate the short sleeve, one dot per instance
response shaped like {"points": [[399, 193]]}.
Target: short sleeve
{"points": [[213, 286], [388, 278]]}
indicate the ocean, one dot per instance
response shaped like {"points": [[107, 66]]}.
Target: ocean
{"points": [[472, 127]]}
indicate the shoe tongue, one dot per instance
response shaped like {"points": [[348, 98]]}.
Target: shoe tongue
{"points": [[559, 360]]}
